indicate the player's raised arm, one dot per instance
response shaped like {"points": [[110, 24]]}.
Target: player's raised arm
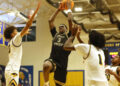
{"points": [[117, 76], [78, 35], [29, 23], [70, 20], [69, 43], [52, 18]]}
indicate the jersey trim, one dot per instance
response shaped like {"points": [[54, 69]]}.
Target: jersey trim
{"points": [[87, 54], [16, 45]]}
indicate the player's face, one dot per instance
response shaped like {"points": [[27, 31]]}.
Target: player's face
{"points": [[14, 33], [115, 60], [62, 29]]}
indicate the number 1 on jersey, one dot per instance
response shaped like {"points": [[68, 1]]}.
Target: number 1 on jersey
{"points": [[100, 59]]}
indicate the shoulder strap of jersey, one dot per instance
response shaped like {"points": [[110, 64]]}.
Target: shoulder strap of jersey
{"points": [[88, 53]]}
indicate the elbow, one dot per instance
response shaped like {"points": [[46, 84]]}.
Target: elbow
{"points": [[65, 47], [49, 20]]}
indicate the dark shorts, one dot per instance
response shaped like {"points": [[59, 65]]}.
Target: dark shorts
{"points": [[59, 73]]}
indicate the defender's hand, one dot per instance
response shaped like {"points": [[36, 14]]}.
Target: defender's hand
{"points": [[74, 30]]}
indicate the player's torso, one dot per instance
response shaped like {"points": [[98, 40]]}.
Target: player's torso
{"points": [[111, 79], [15, 55], [95, 64], [58, 53], [59, 40]]}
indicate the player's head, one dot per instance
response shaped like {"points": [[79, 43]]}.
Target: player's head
{"points": [[97, 39], [10, 32], [116, 60], [62, 28]]}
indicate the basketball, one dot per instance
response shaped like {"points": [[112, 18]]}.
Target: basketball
{"points": [[67, 4]]}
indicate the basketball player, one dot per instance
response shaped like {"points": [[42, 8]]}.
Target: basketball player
{"points": [[93, 55], [78, 35], [113, 72], [58, 59], [15, 51]]}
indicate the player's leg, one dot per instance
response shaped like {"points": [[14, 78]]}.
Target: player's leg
{"points": [[48, 67], [12, 79], [60, 76], [7, 77], [97, 83]]}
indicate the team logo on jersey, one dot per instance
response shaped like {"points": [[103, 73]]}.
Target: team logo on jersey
{"points": [[14, 74], [12, 83]]}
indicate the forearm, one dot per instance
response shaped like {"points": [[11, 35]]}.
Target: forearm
{"points": [[70, 21], [117, 77], [29, 23], [69, 43], [52, 18], [79, 39]]}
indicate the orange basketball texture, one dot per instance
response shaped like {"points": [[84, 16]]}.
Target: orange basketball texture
{"points": [[67, 4]]}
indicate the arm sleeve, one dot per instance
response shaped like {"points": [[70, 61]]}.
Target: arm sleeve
{"points": [[53, 31], [82, 49], [17, 40]]}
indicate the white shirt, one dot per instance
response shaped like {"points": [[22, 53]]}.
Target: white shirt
{"points": [[94, 63], [15, 53], [111, 79]]}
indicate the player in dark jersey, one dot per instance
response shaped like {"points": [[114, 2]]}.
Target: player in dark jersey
{"points": [[58, 60]]}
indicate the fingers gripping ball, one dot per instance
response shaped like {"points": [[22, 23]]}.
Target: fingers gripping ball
{"points": [[67, 4]]}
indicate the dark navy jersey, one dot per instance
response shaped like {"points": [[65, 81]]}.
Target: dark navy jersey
{"points": [[58, 54]]}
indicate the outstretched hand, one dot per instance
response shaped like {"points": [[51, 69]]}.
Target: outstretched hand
{"points": [[29, 23], [74, 30], [109, 71], [60, 6]]}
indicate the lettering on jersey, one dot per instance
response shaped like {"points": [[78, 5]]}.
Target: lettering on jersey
{"points": [[108, 76], [58, 44], [60, 36]]}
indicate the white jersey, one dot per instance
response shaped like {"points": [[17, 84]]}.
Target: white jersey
{"points": [[95, 62], [15, 53], [111, 79]]}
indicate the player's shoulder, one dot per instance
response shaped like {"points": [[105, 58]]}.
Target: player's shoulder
{"points": [[82, 46]]}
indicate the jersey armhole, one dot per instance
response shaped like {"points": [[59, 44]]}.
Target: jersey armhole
{"points": [[88, 53], [15, 45]]}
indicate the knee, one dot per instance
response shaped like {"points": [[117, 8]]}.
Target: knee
{"points": [[46, 66]]}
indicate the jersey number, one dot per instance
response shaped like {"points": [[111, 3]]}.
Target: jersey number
{"points": [[100, 59], [59, 40]]}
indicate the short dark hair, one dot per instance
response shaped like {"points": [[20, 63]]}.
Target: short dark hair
{"points": [[97, 39], [8, 31], [64, 25]]}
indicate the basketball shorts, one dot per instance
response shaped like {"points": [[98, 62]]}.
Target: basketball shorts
{"points": [[59, 72], [97, 83], [11, 76]]}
